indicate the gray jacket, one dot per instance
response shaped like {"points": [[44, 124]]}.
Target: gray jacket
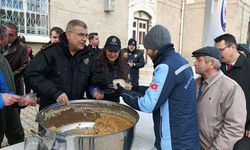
{"points": [[221, 113]]}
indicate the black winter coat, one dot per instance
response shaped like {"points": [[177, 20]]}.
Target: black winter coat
{"points": [[240, 73], [137, 57], [54, 71], [95, 52]]}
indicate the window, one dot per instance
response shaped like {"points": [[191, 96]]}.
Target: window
{"points": [[134, 34], [31, 16], [134, 24]]}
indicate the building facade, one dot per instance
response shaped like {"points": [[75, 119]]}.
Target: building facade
{"points": [[124, 18]]}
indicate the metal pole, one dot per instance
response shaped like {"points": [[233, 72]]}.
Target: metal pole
{"points": [[207, 19], [181, 26]]}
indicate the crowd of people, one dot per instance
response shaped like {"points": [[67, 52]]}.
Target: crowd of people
{"points": [[211, 112]]}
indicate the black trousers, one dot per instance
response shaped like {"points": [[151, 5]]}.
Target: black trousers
{"points": [[10, 125]]}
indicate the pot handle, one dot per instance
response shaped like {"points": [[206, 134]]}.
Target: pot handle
{"points": [[38, 134], [41, 145]]}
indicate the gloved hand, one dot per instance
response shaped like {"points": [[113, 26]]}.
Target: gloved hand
{"points": [[119, 89]]}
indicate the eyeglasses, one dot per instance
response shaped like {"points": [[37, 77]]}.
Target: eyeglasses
{"points": [[80, 34], [222, 49]]}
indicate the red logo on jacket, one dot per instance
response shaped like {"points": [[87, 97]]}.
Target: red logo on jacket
{"points": [[153, 86]]}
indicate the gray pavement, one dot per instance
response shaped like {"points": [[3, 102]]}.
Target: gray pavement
{"points": [[144, 136]]}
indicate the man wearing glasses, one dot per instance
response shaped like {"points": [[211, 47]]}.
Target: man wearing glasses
{"points": [[236, 66], [61, 72]]}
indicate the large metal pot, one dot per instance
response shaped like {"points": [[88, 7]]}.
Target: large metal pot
{"points": [[81, 114]]}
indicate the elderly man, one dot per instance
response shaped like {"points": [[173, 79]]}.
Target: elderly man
{"points": [[62, 71], [171, 95], [221, 103]]}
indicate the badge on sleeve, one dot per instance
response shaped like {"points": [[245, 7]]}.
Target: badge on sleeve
{"points": [[153, 86], [86, 61]]}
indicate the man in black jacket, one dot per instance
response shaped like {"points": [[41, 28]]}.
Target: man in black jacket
{"points": [[236, 66], [93, 46], [62, 71], [135, 61]]}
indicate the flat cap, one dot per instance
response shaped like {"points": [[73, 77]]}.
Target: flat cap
{"points": [[207, 51]]}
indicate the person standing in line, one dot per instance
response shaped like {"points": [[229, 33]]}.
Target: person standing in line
{"points": [[8, 75], [7, 98], [219, 99], [61, 72], [170, 96], [94, 44], [236, 66], [4, 64], [18, 58], [135, 61]]}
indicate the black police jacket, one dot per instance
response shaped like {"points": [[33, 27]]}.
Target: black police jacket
{"points": [[137, 58], [54, 71]]}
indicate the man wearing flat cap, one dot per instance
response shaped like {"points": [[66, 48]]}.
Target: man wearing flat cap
{"points": [[170, 96], [220, 102]]}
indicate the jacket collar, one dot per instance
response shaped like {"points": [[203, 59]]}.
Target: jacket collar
{"points": [[12, 48], [163, 53], [239, 62], [212, 80]]}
